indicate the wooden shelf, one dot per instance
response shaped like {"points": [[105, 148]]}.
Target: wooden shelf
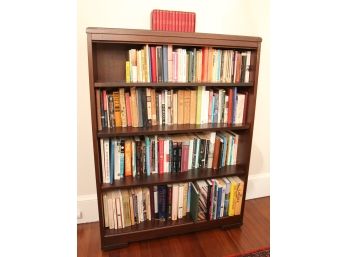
{"points": [[168, 129], [191, 175], [169, 84], [157, 224]]}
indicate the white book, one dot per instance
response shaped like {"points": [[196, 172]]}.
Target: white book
{"points": [[175, 108], [166, 107], [148, 204], [211, 149], [235, 147], [119, 195], [134, 75], [102, 159], [107, 160], [114, 210], [106, 211], [184, 67], [147, 55], [240, 108], [117, 174], [219, 105], [175, 193], [198, 143], [140, 205], [118, 212], [160, 108], [170, 63], [247, 73], [190, 156], [180, 201]]}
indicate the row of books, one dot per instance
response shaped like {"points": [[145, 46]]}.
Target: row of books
{"points": [[144, 107], [136, 156], [202, 200], [173, 21], [165, 64]]}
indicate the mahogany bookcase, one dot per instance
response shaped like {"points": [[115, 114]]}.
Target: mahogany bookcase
{"points": [[107, 55]]}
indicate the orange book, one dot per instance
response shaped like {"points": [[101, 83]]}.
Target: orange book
{"points": [[205, 65], [193, 105], [186, 111], [128, 110], [128, 157], [181, 106], [117, 109], [134, 109], [216, 154], [210, 64]]}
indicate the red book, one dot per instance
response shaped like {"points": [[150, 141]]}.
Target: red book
{"points": [[153, 63], [160, 23], [176, 22], [161, 156], [105, 100], [188, 22], [230, 105], [171, 21], [128, 111], [193, 22], [153, 19], [157, 20], [179, 22]]}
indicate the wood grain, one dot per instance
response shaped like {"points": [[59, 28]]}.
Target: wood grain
{"points": [[254, 234]]}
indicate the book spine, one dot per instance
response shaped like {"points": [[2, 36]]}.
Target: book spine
{"points": [[112, 160], [107, 159], [180, 201], [128, 110], [148, 106], [155, 202], [169, 201], [122, 158], [162, 196], [128, 158], [147, 158], [161, 156], [99, 121]]}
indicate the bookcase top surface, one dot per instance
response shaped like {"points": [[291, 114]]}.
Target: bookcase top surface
{"points": [[107, 32]]}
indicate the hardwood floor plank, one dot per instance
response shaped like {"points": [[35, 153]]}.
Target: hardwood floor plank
{"points": [[253, 234]]}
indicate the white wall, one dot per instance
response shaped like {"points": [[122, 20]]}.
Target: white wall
{"points": [[244, 17]]}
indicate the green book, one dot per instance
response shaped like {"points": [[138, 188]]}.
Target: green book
{"points": [[194, 202]]}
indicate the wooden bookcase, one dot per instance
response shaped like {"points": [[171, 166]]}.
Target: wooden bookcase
{"points": [[107, 54]]}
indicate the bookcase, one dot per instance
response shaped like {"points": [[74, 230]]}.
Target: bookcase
{"points": [[107, 55]]}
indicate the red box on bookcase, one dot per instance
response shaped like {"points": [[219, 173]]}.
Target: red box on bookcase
{"points": [[178, 21]]}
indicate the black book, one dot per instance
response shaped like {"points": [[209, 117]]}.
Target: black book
{"points": [[169, 201], [207, 143], [159, 64], [194, 153], [201, 160], [220, 153], [210, 185], [175, 157], [162, 199], [111, 111], [178, 163], [138, 156], [139, 106], [144, 107]]}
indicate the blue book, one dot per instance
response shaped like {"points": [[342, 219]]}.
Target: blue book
{"points": [[188, 197], [234, 107], [112, 160], [162, 196], [122, 159], [147, 155], [165, 63], [216, 104], [218, 203]]}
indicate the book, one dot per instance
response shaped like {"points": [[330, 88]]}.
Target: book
{"points": [[123, 108], [128, 157], [194, 202], [162, 197]]}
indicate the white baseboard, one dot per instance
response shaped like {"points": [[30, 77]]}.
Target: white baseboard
{"points": [[87, 205], [258, 186]]}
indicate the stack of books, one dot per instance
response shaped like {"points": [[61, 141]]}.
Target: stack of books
{"points": [[201, 200], [143, 156], [166, 64], [144, 107], [173, 21]]}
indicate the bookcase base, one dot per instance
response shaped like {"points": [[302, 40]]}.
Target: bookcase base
{"points": [[113, 239]]}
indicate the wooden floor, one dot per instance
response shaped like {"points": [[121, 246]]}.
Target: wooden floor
{"points": [[253, 234]]}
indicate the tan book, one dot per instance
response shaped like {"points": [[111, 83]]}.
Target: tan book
{"points": [[181, 106], [175, 194], [148, 203], [153, 107], [139, 67], [210, 64], [175, 108], [131, 207], [119, 209], [114, 209], [187, 97], [106, 212], [97, 96], [110, 212], [128, 157], [149, 105], [123, 108], [193, 105], [134, 109], [126, 211], [184, 207]]}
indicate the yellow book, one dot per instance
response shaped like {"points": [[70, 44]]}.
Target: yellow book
{"points": [[232, 203], [199, 105], [128, 72], [239, 196], [128, 157], [117, 109]]}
